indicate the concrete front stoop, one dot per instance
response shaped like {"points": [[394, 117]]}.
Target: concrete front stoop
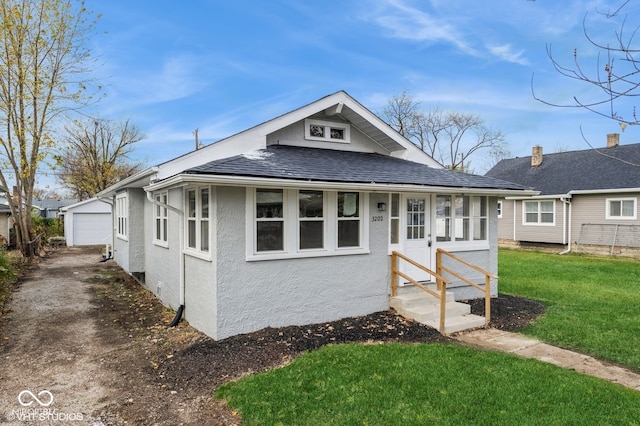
{"points": [[425, 309]]}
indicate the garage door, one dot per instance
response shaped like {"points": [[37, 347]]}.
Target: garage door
{"points": [[91, 229]]}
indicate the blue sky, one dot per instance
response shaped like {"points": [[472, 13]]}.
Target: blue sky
{"points": [[224, 66]]}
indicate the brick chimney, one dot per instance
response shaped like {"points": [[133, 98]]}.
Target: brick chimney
{"points": [[613, 140], [536, 156]]}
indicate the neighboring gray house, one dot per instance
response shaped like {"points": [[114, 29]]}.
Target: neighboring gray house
{"points": [[49, 208], [588, 197], [293, 221], [88, 223]]}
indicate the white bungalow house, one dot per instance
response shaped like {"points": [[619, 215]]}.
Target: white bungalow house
{"points": [[294, 221]]}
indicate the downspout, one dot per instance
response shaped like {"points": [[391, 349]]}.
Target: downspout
{"points": [[566, 225], [515, 218], [180, 213]]}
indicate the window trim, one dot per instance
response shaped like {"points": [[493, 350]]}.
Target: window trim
{"points": [[199, 220], [292, 224], [538, 213], [161, 240], [122, 216], [608, 202], [327, 126]]}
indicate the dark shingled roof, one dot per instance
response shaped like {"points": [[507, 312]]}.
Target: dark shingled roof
{"points": [[559, 173], [310, 164]]}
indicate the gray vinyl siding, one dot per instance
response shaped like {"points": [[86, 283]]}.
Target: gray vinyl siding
{"points": [[534, 233], [592, 209], [505, 223]]}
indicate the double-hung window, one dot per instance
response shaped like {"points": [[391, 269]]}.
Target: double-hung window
{"points": [[198, 219], [311, 219], [621, 208], [269, 220], [161, 219], [122, 215], [539, 212], [303, 223], [348, 219]]}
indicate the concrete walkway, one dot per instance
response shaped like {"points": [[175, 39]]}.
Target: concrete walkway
{"points": [[530, 348]]}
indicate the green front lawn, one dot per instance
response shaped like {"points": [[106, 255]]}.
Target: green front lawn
{"points": [[442, 384], [592, 303]]}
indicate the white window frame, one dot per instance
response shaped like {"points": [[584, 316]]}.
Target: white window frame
{"points": [[161, 220], [609, 216], [198, 220], [291, 218], [327, 126], [122, 216], [539, 213], [499, 209], [456, 221]]}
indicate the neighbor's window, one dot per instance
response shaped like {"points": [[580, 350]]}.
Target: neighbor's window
{"points": [[122, 213], [161, 218], [269, 220], [198, 219], [539, 212], [348, 219], [621, 208], [311, 219], [326, 131]]}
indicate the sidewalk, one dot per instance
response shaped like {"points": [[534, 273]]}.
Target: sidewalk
{"points": [[527, 347]]}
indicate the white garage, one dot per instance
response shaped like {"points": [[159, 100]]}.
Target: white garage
{"points": [[87, 223]]}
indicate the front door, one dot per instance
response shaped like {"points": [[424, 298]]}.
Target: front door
{"points": [[417, 235]]}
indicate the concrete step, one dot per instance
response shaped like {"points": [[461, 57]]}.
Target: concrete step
{"points": [[425, 309], [456, 324], [421, 298], [432, 312]]}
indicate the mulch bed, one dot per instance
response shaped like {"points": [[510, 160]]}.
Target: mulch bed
{"points": [[211, 363]]}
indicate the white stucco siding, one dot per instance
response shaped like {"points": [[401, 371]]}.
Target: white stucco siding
{"points": [[162, 262], [201, 296], [254, 295]]}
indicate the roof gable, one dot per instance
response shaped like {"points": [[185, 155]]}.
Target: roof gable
{"points": [[587, 170], [339, 106]]}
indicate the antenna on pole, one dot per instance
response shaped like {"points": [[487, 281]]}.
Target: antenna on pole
{"points": [[195, 133]]}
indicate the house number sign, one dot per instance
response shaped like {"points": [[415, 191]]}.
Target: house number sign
{"points": [[377, 218]]}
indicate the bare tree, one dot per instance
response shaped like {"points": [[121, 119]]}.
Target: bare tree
{"points": [[614, 76], [451, 138], [96, 155], [43, 61]]}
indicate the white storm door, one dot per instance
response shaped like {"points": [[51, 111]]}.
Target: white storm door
{"points": [[417, 235]]}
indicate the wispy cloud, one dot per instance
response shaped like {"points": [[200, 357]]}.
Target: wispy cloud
{"points": [[506, 52], [410, 23]]}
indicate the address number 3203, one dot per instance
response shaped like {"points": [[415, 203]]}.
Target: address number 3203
{"points": [[377, 218]]}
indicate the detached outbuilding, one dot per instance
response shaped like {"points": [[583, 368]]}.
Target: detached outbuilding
{"points": [[87, 223], [295, 221]]}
